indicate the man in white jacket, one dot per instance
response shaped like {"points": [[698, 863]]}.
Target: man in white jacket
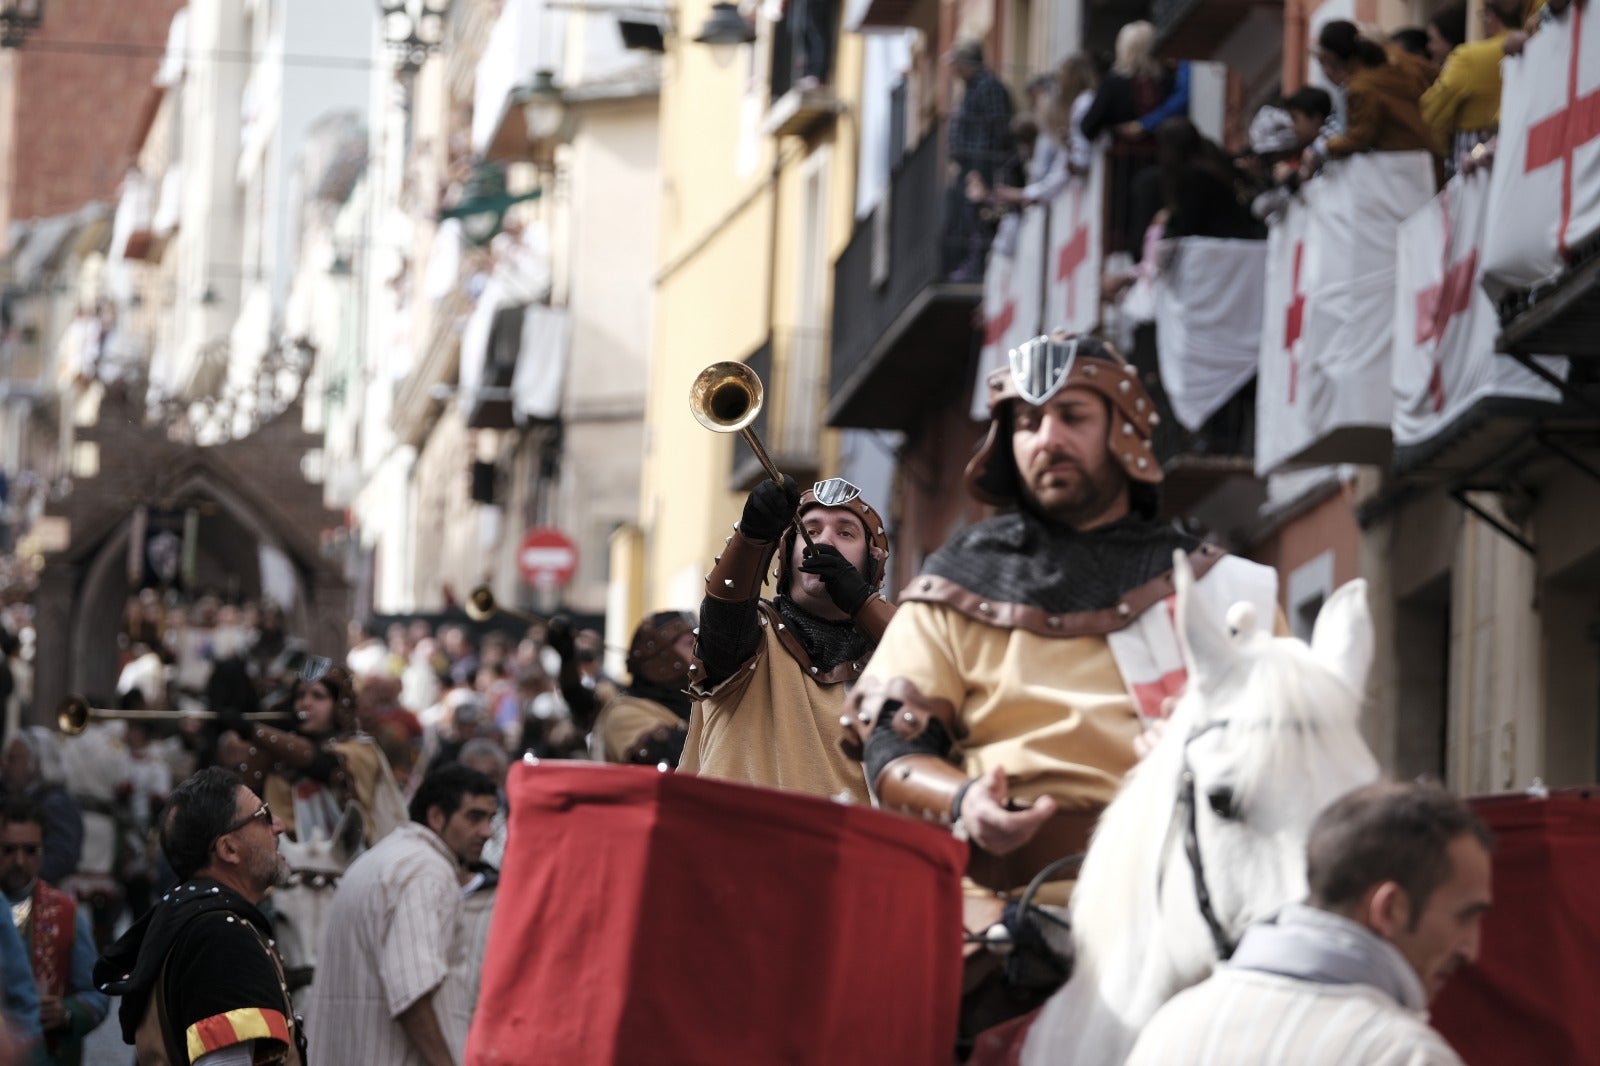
{"points": [[1399, 878]]}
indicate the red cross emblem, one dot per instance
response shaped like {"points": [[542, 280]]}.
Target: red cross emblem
{"points": [[1557, 137], [1438, 304], [1074, 253], [1294, 319], [1000, 324]]}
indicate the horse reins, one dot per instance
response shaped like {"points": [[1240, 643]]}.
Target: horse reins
{"points": [[1185, 810]]}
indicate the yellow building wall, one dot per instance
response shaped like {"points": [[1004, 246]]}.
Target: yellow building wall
{"points": [[732, 239]]}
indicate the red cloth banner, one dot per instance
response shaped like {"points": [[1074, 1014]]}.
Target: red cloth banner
{"points": [[646, 917], [1531, 996]]}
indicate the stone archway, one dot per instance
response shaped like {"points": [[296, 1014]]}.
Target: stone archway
{"points": [[254, 498]]}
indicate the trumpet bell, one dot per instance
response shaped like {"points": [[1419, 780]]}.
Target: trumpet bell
{"points": [[481, 605], [72, 716], [726, 397]]}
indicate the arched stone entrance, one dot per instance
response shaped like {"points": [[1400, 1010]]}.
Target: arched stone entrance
{"points": [[258, 525]]}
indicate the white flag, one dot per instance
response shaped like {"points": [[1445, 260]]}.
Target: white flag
{"points": [[1072, 262], [1444, 323], [1209, 297], [1012, 289], [1544, 198], [1327, 334]]}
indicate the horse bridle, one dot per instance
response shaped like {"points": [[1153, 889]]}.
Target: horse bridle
{"points": [[1184, 813]]}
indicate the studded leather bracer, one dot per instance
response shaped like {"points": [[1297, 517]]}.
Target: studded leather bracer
{"points": [[907, 741], [737, 573], [269, 751]]}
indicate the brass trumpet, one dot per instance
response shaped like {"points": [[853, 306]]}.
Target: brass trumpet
{"points": [[482, 606], [725, 398], [74, 714]]}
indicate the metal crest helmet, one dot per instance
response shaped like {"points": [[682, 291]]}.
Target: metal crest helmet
{"points": [[652, 656], [1036, 371], [836, 492]]}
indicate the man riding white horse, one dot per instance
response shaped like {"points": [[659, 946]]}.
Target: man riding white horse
{"points": [[1038, 644]]}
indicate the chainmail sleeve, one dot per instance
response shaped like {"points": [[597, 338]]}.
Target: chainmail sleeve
{"points": [[729, 636]]}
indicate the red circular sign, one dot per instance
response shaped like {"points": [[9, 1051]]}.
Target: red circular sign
{"points": [[547, 558]]}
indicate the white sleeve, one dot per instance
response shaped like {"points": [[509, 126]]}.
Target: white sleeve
{"points": [[232, 1055]]}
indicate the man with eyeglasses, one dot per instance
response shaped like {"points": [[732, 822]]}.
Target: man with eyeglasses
{"points": [[772, 676], [200, 981], [57, 935]]}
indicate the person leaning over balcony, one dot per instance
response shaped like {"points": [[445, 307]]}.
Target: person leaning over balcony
{"points": [[979, 142], [1382, 89], [772, 677], [1463, 105]]}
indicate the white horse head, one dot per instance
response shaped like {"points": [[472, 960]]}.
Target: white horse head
{"points": [[1266, 735], [300, 908]]}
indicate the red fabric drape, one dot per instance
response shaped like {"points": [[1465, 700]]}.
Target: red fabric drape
{"points": [[655, 918], [1534, 993]]}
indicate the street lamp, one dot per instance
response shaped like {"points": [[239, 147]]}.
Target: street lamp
{"points": [[543, 109], [725, 26], [412, 29], [18, 18], [484, 202]]}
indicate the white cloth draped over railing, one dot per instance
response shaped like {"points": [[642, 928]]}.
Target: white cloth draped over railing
{"points": [[1444, 323], [1049, 277], [1327, 325], [1544, 200], [1209, 296]]}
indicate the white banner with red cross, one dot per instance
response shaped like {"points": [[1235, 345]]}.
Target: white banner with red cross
{"points": [[1544, 200], [1209, 295], [1323, 391], [1072, 260], [1444, 323], [1013, 288]]}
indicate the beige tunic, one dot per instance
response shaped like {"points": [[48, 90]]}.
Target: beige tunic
{"points": [[774, 723], [1052, 710], [627, 719]]}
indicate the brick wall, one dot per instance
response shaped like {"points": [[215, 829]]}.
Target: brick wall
{"points": [[82, 84]]}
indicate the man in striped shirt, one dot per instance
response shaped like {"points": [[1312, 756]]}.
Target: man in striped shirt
{"points": [[389, 987], [1399, 877]]}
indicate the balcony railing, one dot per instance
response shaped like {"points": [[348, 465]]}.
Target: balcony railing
{"points": [[902, 333]]}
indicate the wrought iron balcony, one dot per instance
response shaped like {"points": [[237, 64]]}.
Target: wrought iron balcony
{"points": [[903, 334]]}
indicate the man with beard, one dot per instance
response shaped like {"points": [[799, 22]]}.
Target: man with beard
{"points": [[57, 934], [1032, 651], [771, 681], [646, 723], [200, 981], [386, 990]]}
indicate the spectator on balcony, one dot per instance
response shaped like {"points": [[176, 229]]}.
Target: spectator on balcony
{"points": [[979, 141], [1382, 93], [1275, 144], [1060, 122], [1199, 186], [1446, 31], [1462, 106], [1140, 92], [1412, 40], [1004, 211]]}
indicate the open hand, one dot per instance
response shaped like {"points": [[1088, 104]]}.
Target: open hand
{"points": [[993, 823]]}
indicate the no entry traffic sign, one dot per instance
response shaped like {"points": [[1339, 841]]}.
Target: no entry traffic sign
{"points": [[547, 558]]}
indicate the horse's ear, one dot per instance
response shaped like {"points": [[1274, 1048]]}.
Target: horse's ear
{"points": [[348, 834], [1342, 637], [1207, 648]]}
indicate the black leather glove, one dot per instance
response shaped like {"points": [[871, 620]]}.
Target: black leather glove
{"points": [[560, 638], [846, 587], [769, 509]]}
